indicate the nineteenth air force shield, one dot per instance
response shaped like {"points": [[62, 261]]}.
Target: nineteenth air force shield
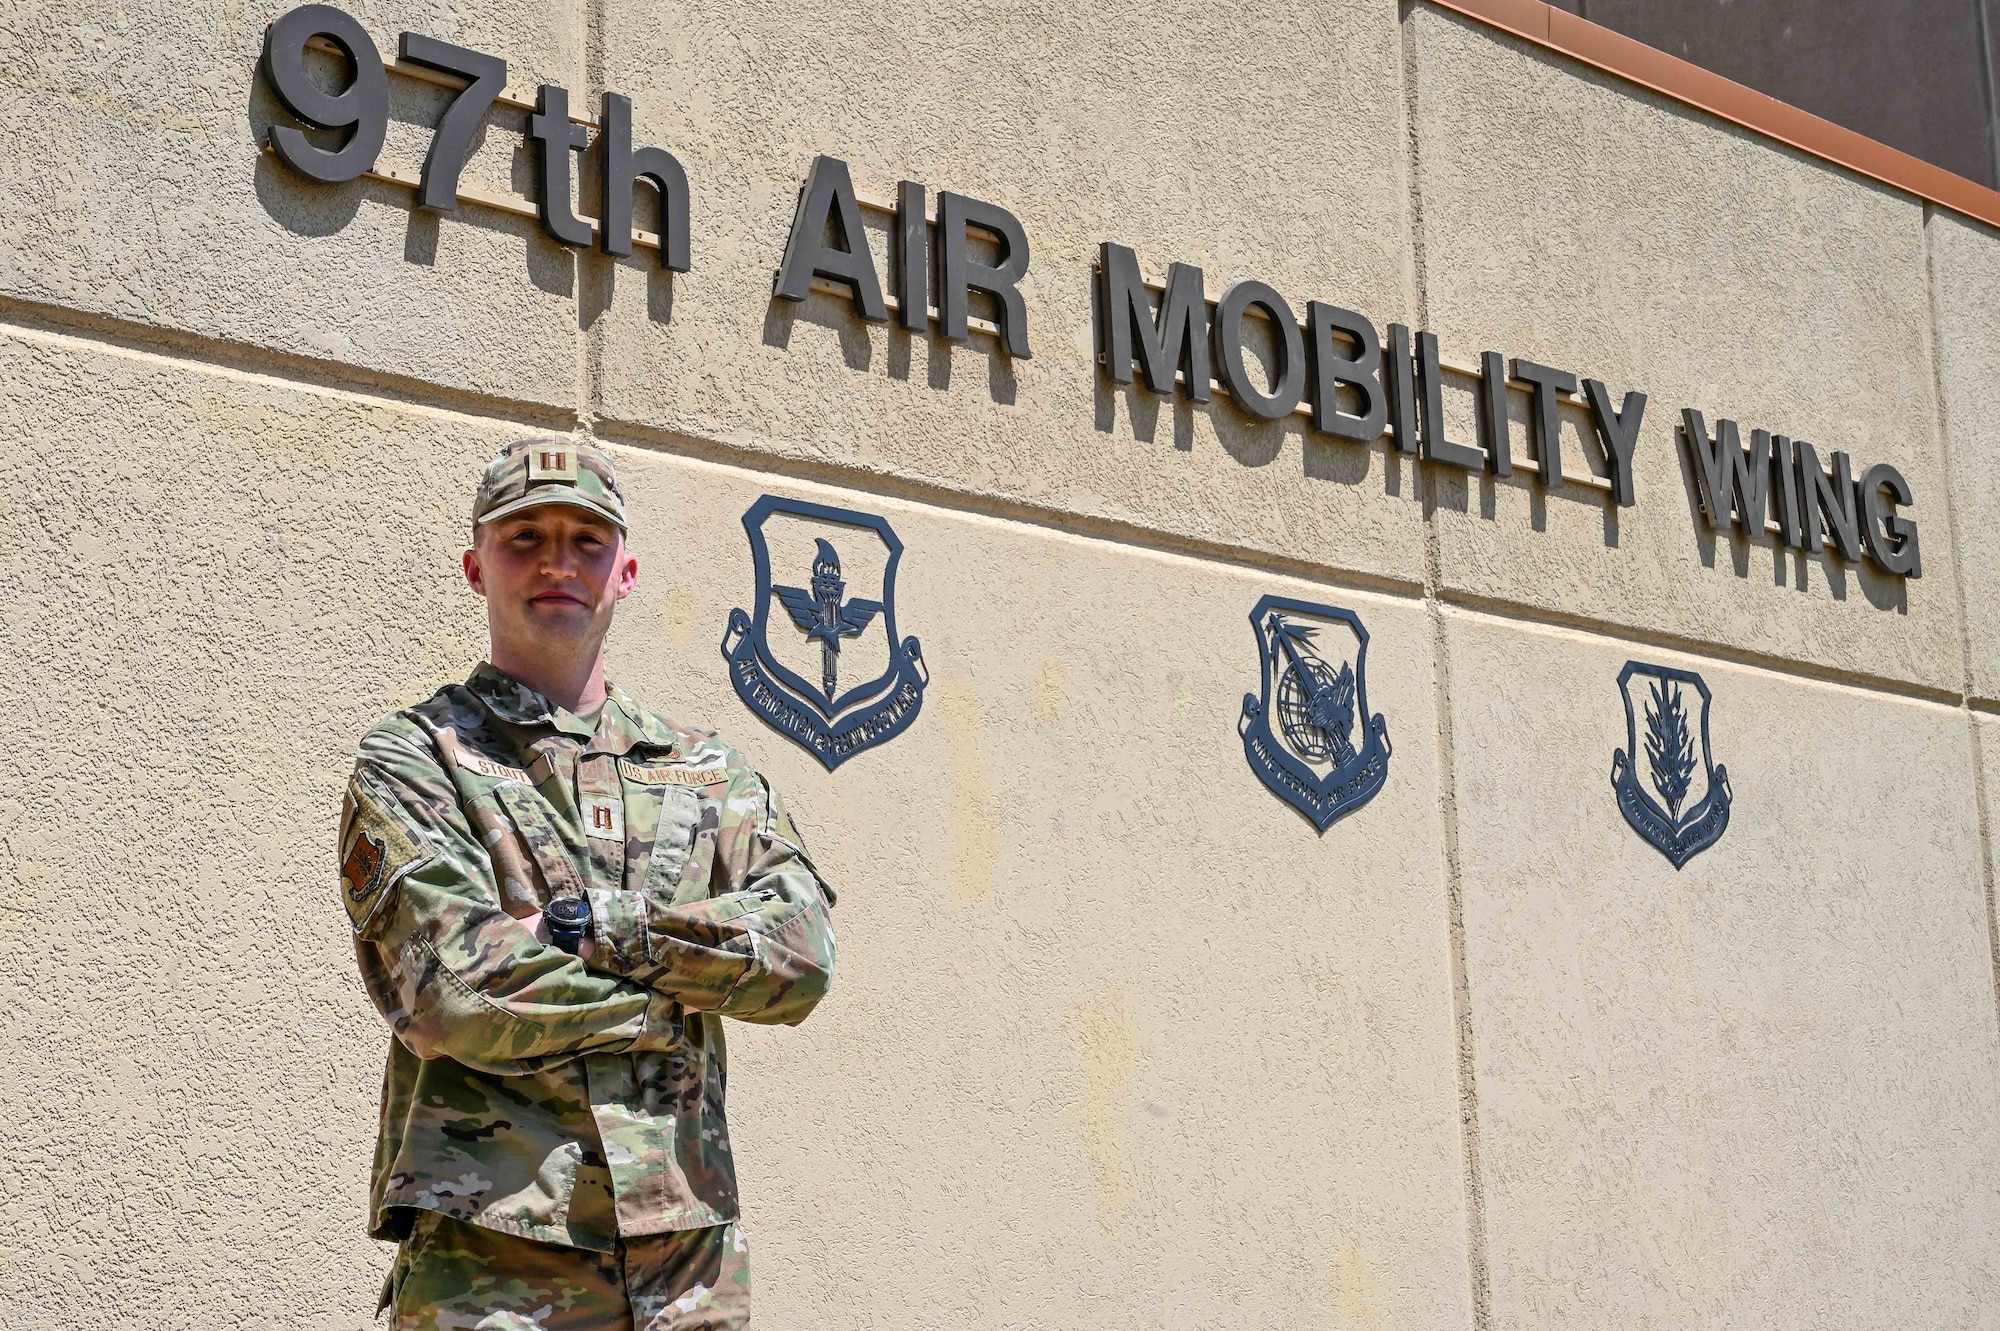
{"points": [[1309, 735], [1687, 807], [818, 657]]}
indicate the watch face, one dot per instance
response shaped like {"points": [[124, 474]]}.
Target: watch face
{"points": [[567, 910]]}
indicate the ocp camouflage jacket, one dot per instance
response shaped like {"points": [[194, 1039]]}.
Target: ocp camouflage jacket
{"points": [[528, 1091]]}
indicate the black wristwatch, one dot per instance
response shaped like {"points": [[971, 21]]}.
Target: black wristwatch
{"points": [[568, 919]]}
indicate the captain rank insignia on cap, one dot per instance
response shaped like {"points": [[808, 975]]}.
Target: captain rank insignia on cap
{"points": [[552, 464]]}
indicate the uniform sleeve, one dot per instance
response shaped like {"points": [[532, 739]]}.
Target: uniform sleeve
{"points": [[759, 947], [452, 972]]}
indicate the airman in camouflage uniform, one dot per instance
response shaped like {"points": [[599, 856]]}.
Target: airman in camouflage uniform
{"points": [[553, 1152]]}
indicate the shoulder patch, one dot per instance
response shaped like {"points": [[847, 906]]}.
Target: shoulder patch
{"points": [[660, 774], [378, 846]]}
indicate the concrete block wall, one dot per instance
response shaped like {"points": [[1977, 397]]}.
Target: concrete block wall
{"points": [[1118, 1040]]}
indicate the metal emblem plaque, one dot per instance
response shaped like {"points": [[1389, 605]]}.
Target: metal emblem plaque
{"points": [[1686, 809], [830, 574], [1309, 735]]}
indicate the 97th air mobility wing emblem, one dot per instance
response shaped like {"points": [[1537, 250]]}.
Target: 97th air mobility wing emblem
{"points": [[1687, 809], [827, 669], [1309, 735]]}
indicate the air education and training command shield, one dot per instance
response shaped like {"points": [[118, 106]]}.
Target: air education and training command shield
{"points": [[1309, 736], [1686, 818], [820, 633]]}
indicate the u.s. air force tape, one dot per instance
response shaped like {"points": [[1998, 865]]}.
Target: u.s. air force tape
{"points": [[379, 847], [675, 776]]}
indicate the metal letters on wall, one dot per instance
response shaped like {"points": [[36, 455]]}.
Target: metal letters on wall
{"points": [[828, 204], [1687, 809], [1167, 335], [823, 631], [361, 109], [1309, 735]]}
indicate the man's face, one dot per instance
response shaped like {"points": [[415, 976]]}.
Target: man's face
{"points": [[552, 576]]}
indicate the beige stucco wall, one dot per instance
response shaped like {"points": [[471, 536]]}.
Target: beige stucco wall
{"points": [[1117, 1040]]}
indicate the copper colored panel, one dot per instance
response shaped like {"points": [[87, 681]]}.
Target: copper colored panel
{"points": [[1669, 76]]}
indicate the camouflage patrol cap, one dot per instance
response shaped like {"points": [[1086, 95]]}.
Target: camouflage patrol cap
{"points": [[531, 472]]}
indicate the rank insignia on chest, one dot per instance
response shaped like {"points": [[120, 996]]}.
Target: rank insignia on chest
{"points": [[604, 818]]}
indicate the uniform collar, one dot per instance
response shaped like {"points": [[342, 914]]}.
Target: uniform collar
{"points": [[641, 725], [621, 723], [624, 725]]}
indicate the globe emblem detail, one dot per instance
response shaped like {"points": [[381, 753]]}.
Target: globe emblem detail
{"points": [[1308, 734], [1316, 710]]}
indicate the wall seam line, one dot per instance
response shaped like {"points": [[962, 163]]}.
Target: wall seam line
{"points": [[1479, 1283], [596, 273], [1934, 348], [1503, 608], [1979, 793], [296, 369], [780, 467], [209, 354], [916, 490]]}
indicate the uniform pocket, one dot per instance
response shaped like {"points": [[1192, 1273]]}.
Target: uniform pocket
{"points": [[407, 1252], [696, 880], [545, 843], [670, 838]]}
